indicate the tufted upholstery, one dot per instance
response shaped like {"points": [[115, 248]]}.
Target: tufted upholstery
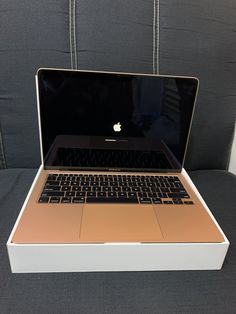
{"points": [[170, 37]]}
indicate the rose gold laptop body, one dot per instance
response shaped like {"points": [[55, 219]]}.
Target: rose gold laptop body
{"points": [[104, 223]]}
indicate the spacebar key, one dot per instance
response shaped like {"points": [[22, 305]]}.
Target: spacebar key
{"points": [[112, 200]]}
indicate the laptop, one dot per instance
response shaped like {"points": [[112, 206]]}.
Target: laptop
{"points": [[113, 147]]}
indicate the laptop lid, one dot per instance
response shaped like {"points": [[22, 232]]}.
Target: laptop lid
{"points": [[114, 121]]}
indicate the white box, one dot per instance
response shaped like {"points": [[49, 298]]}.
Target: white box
{"points": [[25, 258]]}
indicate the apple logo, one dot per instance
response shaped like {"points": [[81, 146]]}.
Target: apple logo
{"points": [[117, 127]]}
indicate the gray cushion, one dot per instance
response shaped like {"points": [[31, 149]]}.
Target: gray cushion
{"points": [[33, 34], [127, 292], [115, 36], [197, 38]]}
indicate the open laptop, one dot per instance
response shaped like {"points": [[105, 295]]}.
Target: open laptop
{"points": [[113, 148]]}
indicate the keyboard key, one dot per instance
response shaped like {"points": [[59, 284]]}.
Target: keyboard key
{"points": [[101, 194], [74, 188], [141, 194], [156, 200], [52, 177], [78, 200], [136, 189], [54, 193], [66, 188], [84, 183], [116, 189], [75, 183], [176, 195], [151, 194], [65, 183], [55, 200], [106, 189], [93, 194], [145, 189], [164, 190], [126, 189], [145, 200], [70, 179], [52, 188], [122, 194], [61, 178], [179, 185], [178, 190], [86, 188], [167, 202], [178, 201], [188, 202], [43, 199], [96, 189], [65, 200], [112, 194], [80, 194], [70, 193], [49, 183], [153, 190]]}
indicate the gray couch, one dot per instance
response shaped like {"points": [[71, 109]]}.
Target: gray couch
{"points": [[195, 38]]}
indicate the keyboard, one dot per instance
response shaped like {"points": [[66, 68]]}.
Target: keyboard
{"points": [[139, 189]]}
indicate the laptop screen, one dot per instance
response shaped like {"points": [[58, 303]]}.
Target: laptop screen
{"points": [[114, 121]]}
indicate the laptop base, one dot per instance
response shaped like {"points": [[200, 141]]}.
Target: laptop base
{"points": [[115, 256]]}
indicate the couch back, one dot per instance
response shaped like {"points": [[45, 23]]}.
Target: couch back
{"points": [[195, 38]]}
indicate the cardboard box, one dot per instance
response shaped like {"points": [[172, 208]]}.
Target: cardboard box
{"points": [[29, 258]]}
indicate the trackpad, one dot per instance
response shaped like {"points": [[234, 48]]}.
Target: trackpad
{"points": [[119, 223]]}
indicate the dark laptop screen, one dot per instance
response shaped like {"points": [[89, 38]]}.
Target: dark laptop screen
{"points": [[112, 121]]}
